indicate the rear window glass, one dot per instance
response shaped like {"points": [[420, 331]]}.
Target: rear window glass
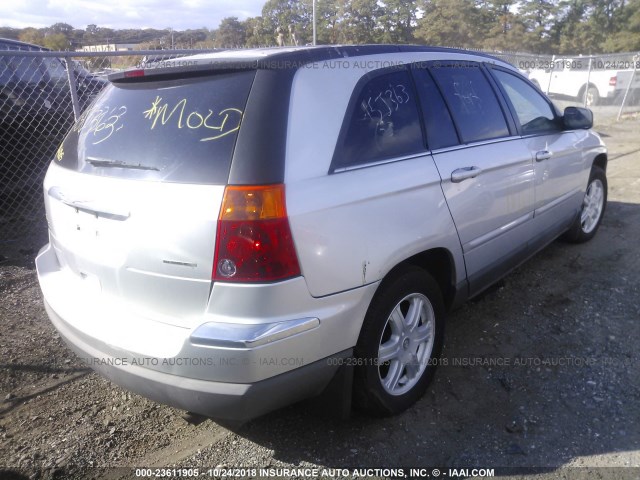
{"points": [[384, 124], [5, 72], [26, 69], [176, 131], [473, 104]]}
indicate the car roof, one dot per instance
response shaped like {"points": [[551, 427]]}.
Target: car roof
{"points": [[9, 44], [322, 52], [306, 54], [289, 57]]}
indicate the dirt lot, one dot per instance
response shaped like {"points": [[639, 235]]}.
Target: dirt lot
{"points": [[567, 394]]}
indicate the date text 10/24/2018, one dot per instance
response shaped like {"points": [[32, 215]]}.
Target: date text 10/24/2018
{"points": [[313, 472], [579, 64]]}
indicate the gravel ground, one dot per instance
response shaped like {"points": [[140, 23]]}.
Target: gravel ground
{"points": [[541, 371]]}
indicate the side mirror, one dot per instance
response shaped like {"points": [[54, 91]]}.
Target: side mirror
{"points": [[575, 118]]}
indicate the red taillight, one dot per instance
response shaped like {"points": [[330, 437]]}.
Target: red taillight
{"points": [[134, 73], [613, 81], [253, 241]]}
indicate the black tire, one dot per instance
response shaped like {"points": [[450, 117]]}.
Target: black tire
{"points": [[590, 96], [584, 230], [407, 289]]}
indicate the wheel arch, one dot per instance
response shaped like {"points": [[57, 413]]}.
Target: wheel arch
{"points": [[585, 86], [601, 161], [439, 263]]}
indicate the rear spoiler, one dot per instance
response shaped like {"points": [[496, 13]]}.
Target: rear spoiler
{"points": [[181, 67]]}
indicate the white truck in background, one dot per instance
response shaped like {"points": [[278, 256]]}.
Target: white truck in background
{"points": [[604, 82]]}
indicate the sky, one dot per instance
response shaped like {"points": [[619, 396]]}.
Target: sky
{"points": [[176, 14]]}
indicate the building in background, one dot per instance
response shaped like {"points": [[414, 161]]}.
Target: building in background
{"points": [[109, 47]]}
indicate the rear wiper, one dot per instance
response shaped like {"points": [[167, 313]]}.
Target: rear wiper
{"points": [[119, 164]]}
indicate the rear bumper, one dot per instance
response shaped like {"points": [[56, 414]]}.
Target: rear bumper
{"points": [[235, 402], [229, 368]]}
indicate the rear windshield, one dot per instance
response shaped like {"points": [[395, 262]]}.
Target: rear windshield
{"points": [[175, 131]]}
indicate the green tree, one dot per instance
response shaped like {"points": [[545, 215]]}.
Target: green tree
{"points": [[502, 29], [257, 34], [77, 38], [60, 27], [329, 14], [397, 20], [58, 36], [626, 38], [230, 33], [11, 33], [449, 23], [572, 32], [538, 26], [32, 35], [284, 14], [606, 19], [92, 29], [361, 21], [56, 41], [537, 17], [105, 35]]}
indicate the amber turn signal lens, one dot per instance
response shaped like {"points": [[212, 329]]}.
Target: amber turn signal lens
{"points": [[253, 203]]}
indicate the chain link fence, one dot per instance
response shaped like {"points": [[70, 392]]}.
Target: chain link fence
{"points": [[42, 92], [607, 84], [41, 95]]}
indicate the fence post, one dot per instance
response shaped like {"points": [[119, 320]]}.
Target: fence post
{"points": [[626, 92], [586, 91], [553, 67], [73, 87]]}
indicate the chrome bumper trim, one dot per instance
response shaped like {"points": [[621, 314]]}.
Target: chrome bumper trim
{"points": [[236, 335]]}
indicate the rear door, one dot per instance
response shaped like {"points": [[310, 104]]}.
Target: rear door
{"points": [[134, 192], [487, 172], [559, 165]]}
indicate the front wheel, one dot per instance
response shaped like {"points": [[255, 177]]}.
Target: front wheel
{"points": [[399, 344], [593, 205]]}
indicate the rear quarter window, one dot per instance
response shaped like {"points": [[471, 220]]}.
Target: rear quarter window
{"points": [[179, 130], [382, 123]]}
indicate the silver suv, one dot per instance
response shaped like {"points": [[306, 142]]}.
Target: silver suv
{"points": [[252, 228]]}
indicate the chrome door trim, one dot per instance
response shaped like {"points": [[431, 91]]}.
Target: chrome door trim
{"points": [[557, 201], [381, 162], [487, 237]]}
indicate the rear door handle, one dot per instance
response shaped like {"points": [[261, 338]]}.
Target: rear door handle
{"points": [[114, 211], [461, 174], [543, 155]]}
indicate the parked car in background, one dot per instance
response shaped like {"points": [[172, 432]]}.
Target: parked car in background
{"points": [[606, 82], [36, 111], [261, 226]]}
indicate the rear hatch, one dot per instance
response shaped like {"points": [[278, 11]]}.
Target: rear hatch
{"points": [[134, 193]]}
